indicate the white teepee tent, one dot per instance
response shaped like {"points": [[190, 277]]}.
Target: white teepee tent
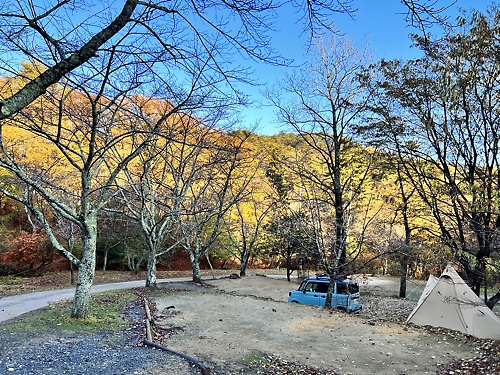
{"points": [[448, 302]]}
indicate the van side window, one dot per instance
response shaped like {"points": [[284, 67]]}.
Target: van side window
{"points": [[353, 288], [311, 287], [322, 288], [341, 288]]}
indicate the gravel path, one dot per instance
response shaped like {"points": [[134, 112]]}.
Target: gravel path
{"points": [[115, 353]]}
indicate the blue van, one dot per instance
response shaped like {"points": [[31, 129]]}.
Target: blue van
{"points": [[312, 291]]}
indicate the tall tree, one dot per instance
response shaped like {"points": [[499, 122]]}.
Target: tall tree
{"points": [[158, 184], [328, 101], [214, 189], [449, 105]]}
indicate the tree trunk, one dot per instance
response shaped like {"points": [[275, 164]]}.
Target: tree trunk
{"points": [[130, 262], [72, 272], [405, 259], [288, 265], [493, 300], [151, 269], [243, 267], [195, 265], [210, 264], [405, 197], [329, 294], [86, 271], [485, 286], [340, 234], [105, 260], [403, 276], [477, 276]]}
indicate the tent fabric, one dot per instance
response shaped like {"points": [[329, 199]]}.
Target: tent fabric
{"points": [[431, 282], [448, 302]]}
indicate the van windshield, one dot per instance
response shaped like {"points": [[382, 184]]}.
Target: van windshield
{"points": [[302, 285]]}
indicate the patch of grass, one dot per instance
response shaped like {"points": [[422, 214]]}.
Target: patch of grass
{"points": [[10, 280], [105, 314], [254, 358]]}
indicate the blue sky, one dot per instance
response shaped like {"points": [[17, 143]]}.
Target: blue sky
{"points": [[380, 24]]}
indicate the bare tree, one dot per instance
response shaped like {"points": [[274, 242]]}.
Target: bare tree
{"points": [[149, 204], [329, 99], [215, 187], [156, 186], [425, 14]]}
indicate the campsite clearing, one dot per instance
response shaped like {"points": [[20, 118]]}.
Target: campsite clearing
{"points": [[251, 318]]}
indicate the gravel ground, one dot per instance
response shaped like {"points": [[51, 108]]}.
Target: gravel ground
{"points": [[118, 353], [81, 354]]}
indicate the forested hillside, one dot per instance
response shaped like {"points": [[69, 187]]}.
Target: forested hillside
{"points": [[121, 147], [269, 223]]}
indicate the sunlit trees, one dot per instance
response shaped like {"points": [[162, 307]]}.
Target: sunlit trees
{"points": [[328, 100], [215, 186], [245, 220], [100, 54], [244, 228], [448, 108], [288, 224], [81, 134]]}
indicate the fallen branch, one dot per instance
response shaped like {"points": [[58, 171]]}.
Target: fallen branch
{"points": [[203, 368], [149, 319]]}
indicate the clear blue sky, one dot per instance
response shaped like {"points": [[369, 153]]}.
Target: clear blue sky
{"points": [[380, 24]]}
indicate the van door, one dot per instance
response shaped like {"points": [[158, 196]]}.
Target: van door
{"points": [[341, 296], [311, 295], [322, 290]]}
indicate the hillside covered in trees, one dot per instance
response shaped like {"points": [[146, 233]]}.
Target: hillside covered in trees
{"points": [[126, 154]]}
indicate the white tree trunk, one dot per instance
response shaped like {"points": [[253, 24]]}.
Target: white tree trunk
{"points": [[195, 266], [86, 271], [151, 269]]}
